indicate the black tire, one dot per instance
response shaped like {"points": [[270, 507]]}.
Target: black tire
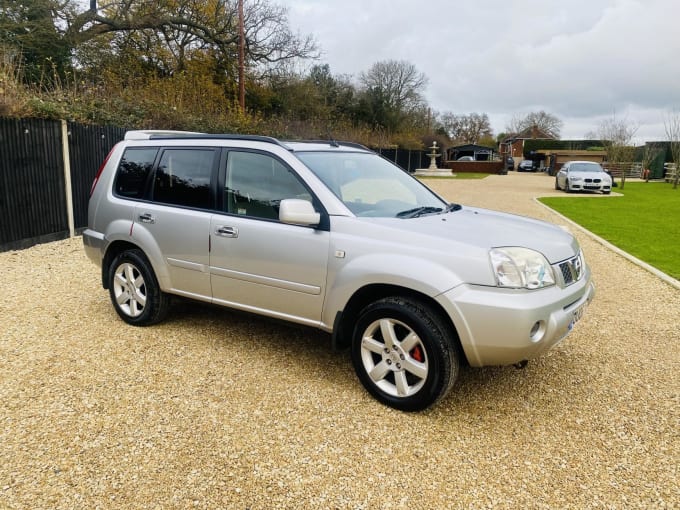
{"points": [[607, 192], [412, 367], [557, 186], [134, 290]]}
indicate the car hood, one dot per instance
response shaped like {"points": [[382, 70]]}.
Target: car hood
{"points": [[487, 229]]}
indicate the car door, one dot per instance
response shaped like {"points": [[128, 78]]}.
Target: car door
{"points": [[258, 263], [174, 225]]}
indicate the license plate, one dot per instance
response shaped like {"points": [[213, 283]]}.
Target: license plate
{"points": [[577, 315]]}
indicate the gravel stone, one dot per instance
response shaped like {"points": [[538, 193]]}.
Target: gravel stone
{"points": [[216, 409]]}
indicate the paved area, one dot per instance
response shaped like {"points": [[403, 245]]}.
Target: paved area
{"points": [[214, 409]]}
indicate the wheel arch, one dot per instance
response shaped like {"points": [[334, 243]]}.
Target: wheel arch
{"points": [[345, 319], [112, 251]]}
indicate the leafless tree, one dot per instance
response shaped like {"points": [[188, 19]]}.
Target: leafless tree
{"points": [[649, 154], [672, 126], [542, 121], [617, 137], [467, 128], [398, 82]]}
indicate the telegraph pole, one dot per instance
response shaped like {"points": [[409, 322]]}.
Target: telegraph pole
{"points": [[241, 58]]}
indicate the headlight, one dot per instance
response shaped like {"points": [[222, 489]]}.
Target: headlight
{"points": [[574, 178], [521, 268]]}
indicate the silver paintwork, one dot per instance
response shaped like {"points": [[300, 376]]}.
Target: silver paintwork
{"points": [[295, 271]]}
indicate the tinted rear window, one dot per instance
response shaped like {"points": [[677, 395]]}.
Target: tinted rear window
{"points": [[133, 171], [183, 177]]}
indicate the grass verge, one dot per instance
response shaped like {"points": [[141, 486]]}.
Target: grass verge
{"points": [[645, 222]]}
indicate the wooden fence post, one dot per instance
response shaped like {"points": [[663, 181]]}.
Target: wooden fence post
{"points": [[67, 178]]}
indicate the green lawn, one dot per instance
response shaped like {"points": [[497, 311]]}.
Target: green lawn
{"points": [[645, 222]]}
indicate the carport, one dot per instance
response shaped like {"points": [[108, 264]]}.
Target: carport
{"points": [[478, 152]]}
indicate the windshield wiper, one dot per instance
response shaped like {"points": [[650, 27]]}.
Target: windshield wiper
{"points": [[418, 211], [453, 207]]}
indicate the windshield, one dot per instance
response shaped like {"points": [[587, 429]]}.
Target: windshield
{"points": [[585, 167], [372, 186]]}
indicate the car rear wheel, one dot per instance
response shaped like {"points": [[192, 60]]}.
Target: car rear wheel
{"points": [[134, 290], [404, 353]]}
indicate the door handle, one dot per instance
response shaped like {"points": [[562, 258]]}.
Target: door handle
{"points": [[225, 231], [147, 218]]}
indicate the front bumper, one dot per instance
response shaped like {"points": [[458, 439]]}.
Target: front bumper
{"points": [[505, 326], [589, 186]]}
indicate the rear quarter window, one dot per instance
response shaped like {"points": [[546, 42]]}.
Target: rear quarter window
{"points": [[133, 171]]}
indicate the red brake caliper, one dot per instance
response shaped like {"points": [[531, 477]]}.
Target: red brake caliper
{"points": [[417, 354]]}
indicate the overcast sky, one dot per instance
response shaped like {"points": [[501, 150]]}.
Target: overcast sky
{"points": [[581, 60]]}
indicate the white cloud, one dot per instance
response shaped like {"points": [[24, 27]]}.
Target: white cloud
{"points": [[582, 60]]}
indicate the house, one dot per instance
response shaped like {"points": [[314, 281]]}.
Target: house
{"points": [[513, 145]]}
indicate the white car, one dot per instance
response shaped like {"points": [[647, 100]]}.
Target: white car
{"points": [[583, 176]]}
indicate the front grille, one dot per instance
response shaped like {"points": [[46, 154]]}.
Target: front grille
{"points": [[572, 270], [593, 180]]}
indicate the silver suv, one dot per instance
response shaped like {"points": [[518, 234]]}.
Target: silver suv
{"points": [[333, 236]]}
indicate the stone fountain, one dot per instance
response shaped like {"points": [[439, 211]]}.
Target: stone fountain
{"points": [[432, 170]]}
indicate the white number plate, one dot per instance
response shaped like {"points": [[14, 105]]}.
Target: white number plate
{"points": [[577, 314]]}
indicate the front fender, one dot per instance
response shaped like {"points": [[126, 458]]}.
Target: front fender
{"points": [[417, 274]]}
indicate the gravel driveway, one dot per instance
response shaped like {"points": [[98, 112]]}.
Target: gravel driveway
{"points": [[214, 409]]}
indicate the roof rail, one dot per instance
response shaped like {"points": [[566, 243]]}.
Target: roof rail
{"points": [[190, 135], [333, 143], [148, 134]]}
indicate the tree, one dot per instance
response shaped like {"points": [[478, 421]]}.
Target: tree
{"points": [[29, 36], [617, 137], [269, 40], [467, 129], [540, 121], [672, 127], [649, 154], [392, 90]]}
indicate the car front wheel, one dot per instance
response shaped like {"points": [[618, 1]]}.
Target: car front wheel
{"points": [[134, 290], [557, 184], [404, 353]]}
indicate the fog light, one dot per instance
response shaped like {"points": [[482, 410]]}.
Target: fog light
{"points": [[537, 331]]}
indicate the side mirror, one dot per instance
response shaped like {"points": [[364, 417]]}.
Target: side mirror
{"points": [[298, 212]]}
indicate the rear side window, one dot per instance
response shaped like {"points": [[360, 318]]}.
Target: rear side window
{"points": [[133, 171], [183, 177]]}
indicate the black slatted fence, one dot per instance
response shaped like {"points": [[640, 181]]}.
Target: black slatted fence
{"points": [[32, 183], [88, 146], [34, 202], [409, 160]]}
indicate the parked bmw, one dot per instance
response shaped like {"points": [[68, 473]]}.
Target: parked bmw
{"points": [[333, 236], [583, 176], [526, 165]]}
